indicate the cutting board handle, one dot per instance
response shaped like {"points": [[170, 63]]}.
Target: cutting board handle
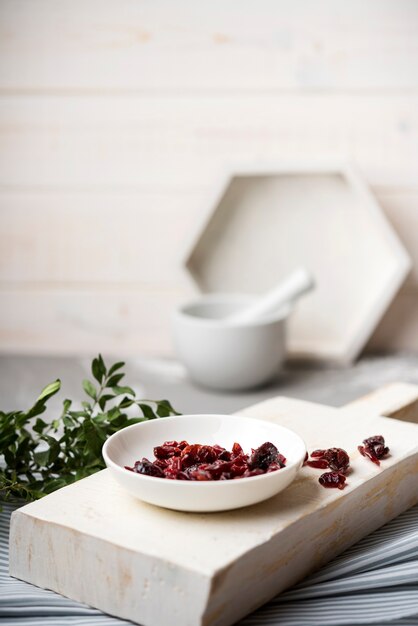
{"points": [[397, 400]]}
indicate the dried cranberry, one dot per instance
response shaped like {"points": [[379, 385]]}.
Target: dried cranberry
{"points": [[146, 467], [263, 456], [189, 455], [374, 448], [332, 480], [237, 450], [238, 469], [216, 469], [200, 474], [167, 450], [173, 466], [336, 459], [257, 471], [318, 453], [274, 467], [222, 453], [207, 454], [318, 463]]}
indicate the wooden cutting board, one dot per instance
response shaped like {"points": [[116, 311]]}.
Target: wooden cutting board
{"points": [[96, 544]]}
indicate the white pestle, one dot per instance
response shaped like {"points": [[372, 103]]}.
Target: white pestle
{"points": [[293, 287]]}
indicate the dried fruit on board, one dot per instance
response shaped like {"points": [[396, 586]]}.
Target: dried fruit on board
{"points": [[332, 480], [374, 448], [337, 460]]}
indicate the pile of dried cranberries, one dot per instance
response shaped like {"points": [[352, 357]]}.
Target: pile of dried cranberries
{"points": [[179, 460], [338, 461]]}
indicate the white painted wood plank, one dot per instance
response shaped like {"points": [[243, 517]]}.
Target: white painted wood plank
{"points": [[53, 141], [232, 562], [260, 44], [129, 235], [87, 321], [49, 319], [117, 237]]}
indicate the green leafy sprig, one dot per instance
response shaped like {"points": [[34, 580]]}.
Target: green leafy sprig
{"points": [[38, 457]]}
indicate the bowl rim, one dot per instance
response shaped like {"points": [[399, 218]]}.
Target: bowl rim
{"points": [[210, 484], [182, 313]]}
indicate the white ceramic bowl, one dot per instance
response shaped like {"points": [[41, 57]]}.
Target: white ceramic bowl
{"points": [[135, 442], [225, 356]]}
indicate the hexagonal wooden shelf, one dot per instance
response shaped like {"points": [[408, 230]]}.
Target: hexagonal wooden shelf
{"points": [[264, 221]]}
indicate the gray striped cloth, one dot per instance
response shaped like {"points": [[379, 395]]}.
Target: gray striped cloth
{"points": [[374, 582]]}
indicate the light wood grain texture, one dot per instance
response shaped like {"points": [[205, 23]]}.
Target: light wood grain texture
{"points": [[186, 141], [99, 236], [87, 319], [158, 45], [121, 237], [94, 543]]}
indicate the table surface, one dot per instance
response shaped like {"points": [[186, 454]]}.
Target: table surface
{"points": [[22, 377]]}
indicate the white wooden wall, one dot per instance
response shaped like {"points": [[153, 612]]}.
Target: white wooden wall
{"points": [[116, 115]]}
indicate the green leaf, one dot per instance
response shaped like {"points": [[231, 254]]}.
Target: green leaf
{"points": [[66, 406], [164, 408], [54, 484], [147, 411], [125, 403], [93, 437], [50, 454], [102, 366], [90, 389], [77, 414], [40, 425], [41, 457], [115, 367], [68, 421], [113, 413], [50, 390], [20, 418], [114, 380], [118, 391], [96, 370], [101, 417], [104, 399], [169, 407], [54, 448]]}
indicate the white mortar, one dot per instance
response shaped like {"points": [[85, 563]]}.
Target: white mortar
{"points": [[223, 355]]}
